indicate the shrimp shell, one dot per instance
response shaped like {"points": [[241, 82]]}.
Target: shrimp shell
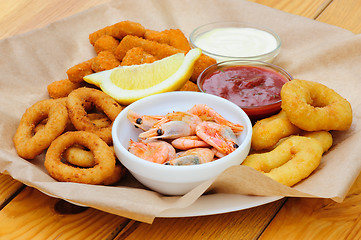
{"points": [[219, 136]]}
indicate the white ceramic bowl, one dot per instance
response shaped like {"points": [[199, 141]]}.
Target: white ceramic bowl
{"points": [[230, 40], [177, 180]]}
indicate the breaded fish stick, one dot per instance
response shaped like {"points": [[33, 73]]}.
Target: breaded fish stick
{"points": [[202, 63], [137, 56], [177, 39], [105, 43], [62, 88], [104, 61], [160, 51], [118, 31], [77, 72], [156, 36], [190, 86]]}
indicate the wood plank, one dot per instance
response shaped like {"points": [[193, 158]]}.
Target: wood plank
{"points": [[8, 187], [343, 13], [306, 8], [323, 218], [22, 15], [33, 215], [245, 224]]}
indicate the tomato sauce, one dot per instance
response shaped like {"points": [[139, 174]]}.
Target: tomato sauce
{"points": [[249, 87]]}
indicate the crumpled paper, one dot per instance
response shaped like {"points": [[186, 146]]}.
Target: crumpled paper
{"points": [[310, 50]]}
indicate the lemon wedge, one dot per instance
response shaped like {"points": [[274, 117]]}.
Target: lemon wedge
{"points": [[127, 84]]}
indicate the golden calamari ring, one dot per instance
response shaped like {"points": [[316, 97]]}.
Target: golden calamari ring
{"points": [[267, 132], [81, 157], [104, 159], [312, 106], [290, 162], [29, 143], [79, 116]]}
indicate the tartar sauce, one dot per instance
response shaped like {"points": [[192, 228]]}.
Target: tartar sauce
{"points": [[237, 42]]}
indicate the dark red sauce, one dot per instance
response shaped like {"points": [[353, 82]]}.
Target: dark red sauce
{"points": [[253, 88]]}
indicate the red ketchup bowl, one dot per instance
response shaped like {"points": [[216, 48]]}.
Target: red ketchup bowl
{"points": [[253, 85]]}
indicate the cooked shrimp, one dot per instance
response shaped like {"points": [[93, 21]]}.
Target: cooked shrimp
{"points": [[218, 153], [219, 136], [193, 156], [185, 143], [144, 122], [173, 125], [153, 151], [207, 113]]}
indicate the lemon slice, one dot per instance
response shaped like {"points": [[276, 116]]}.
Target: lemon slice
{"points": [[127, 84]]}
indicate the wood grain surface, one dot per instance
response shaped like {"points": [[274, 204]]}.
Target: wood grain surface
{"points": [[26, 213]]}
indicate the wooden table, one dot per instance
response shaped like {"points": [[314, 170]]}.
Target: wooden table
{"points": [[26, 213]]}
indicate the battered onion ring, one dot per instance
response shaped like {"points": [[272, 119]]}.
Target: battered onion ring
{"points": [[323, 137], [267, 132], [27, 144], [312, 106], [78, 156], [100, 120], [103, 157], [79, 117], [118, 173], [290, 162]]}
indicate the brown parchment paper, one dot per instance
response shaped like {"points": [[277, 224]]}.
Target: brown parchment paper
{"points": [[310, 50]]}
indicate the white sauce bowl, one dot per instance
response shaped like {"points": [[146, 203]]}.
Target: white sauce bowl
{"points": [[236, 41], [177, 180]]}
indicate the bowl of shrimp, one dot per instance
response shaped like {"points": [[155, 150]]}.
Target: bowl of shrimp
{"points": [[172, 142]]}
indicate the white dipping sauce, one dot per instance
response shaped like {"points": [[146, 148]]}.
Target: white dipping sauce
{"points": [[237, 42]]}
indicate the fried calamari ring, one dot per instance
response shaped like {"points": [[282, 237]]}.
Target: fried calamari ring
{"points": [[104, 159], [79, 156], [267, 132], [119, 173], [100, 120], [290, 162], [323, 137], [312, 106], [29, 144], [69, 126], [79, 116]]}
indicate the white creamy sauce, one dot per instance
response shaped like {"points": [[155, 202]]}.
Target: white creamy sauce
{"points": [[237, 42]]}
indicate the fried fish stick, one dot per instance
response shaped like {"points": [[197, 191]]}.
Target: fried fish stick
{"points": [[104, 61], [62, 88], [137, 56], [202, 63], [156, 36], [118, 31], [190, 86], [77, 72], [177, 39], [160, 51], [105, 43]]}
